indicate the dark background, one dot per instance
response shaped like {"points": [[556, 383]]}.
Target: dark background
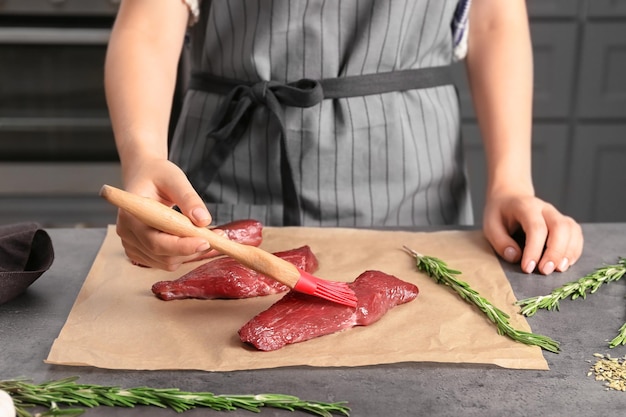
{"points": [[56, 145], [579, 127]]}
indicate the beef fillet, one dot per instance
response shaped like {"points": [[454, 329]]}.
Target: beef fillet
{"points": [[227, 278], [298, 317], [246, 231]]}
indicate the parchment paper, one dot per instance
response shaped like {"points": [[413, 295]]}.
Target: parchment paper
{"points": [[117, 323]]}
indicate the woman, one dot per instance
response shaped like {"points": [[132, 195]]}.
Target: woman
{"points": [[327, 113]]}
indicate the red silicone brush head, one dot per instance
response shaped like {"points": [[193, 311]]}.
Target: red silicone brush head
{"points": [[337, 292]]}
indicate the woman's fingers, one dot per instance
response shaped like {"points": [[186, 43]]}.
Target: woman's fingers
{"points": [[564, 244], [553, 241], [501, 240], [150, 247]]}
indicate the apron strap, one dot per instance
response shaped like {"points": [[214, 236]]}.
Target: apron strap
{"points": [[229, 122]]}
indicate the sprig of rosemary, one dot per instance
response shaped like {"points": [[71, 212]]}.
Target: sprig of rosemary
{"points": [[442, 274], [68, 392], [620, 339], [574, 289], [588, 284]]}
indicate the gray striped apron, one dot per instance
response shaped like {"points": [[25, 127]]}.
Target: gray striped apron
{"points": [[389, 158]]}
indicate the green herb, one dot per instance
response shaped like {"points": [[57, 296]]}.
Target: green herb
{"points": [[574, 289], [439, 270], [620, 339], [67, 392]]}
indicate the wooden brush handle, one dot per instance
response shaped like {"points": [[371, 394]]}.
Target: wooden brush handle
{"points": [[163, 218]]}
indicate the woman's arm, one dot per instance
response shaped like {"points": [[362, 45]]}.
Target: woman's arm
{"points": [[500, 72], [140, 76]]}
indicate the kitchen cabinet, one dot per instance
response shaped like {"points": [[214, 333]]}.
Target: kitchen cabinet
{"points": [[579, 110], [606, 8], [596, 175], [556, 8], [549, 139], [602, 69], [554, 56]]}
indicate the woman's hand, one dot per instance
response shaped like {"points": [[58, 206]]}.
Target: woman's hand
{"points": [[140, 77], [162, 181], [553, 241], [500, 72]]}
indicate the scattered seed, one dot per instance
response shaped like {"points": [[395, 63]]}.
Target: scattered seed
{"points": [[610, 370]]}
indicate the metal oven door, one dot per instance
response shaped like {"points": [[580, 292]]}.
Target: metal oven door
{"points": [[56, 141], [52, 105]]}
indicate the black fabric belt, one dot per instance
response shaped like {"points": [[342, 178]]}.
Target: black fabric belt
{"points": [[231, 119]]}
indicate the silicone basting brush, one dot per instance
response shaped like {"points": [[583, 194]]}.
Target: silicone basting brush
{"points": [[163, 218]]}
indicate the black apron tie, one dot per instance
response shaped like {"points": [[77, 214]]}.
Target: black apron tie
{"points": [[230, 121]]}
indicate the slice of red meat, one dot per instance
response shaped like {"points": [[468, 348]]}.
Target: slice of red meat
{"points": [[227, 278], [246, 232], [298, 317]]}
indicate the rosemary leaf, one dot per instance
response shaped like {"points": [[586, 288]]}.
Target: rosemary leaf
{"points": [[574, 289], [442, 274], [620, 339], [68, 392]]}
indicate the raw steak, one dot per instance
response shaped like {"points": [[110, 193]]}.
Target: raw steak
{"points": [[246, 232], [298, 317], [227, 278]]}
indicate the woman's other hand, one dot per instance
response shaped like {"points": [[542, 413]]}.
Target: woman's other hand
{"points": [[553, 241]]}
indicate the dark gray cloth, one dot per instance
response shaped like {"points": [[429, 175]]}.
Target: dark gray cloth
{"points": [[243, 97], [26, 252], [390, 159]]}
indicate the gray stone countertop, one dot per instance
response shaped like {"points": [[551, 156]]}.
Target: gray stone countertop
{"points": [[30, 323]]}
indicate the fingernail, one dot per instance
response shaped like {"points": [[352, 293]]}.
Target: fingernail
{"points": [[530, 267], [548, 268], [204, 247], [200, 214], [510, 254], [564, 265]]}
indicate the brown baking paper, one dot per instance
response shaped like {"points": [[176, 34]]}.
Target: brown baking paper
{"points": [[117, 323]]}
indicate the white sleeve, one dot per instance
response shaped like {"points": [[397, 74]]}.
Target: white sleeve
{"points": [[460, 29], [194, 10]]}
